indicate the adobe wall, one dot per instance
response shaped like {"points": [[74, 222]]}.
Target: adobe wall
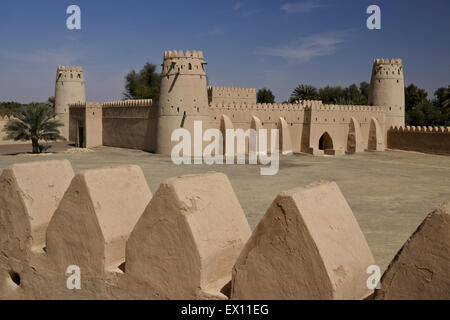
{"points": [[69, 88], [191, 240], [268, 115], [85, 118], [226, 95], [307, 122], [335, 120], [421, 139], [130, 124]]}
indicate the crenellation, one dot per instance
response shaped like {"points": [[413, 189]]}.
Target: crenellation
{"points": [[200, 241]]}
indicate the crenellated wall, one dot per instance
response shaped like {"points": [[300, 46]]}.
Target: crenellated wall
{"points": [[308, 121], [130, 124], [422, 139], [227, 95], [191, 240]]}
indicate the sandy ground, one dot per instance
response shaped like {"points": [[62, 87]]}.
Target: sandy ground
{"points": [[390, 192]]}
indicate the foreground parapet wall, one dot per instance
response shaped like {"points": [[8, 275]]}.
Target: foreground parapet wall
{"points": [[421, 139], [307, 246], [188, 238], [183, 242], [421, 269]]}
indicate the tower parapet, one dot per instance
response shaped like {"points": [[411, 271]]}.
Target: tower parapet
{"points": [[183, 95], [387, 88], [69, 89]]}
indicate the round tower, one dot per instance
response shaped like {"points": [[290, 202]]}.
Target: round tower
{"points": [[69, 89], [183, 96], [387, 88]]}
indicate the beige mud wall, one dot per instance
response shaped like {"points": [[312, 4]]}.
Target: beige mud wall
{"points": [[77, 119], [335, 120], [184, 241], [94, 125], [129, 126], [228, 95], [269, 115], [421, 139], [307, 121]]}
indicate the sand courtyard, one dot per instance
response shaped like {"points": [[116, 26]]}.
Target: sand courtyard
{"points": [[389, 192]]}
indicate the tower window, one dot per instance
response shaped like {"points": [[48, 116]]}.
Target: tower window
{"points": [[71, 76], [79, 76], [190, 66]]}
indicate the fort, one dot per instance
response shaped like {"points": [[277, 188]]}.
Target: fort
{"points": [[305, 126], [190, 239]]}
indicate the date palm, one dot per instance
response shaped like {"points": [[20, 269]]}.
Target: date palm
{"points": [[34, 122], [304, 92]]}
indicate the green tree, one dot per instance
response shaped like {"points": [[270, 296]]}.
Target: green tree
{"points": [[8, 108], [51, 101], [442, 98], [364, 88], [414, 96], [144, 84], [425, 113], [331, 95], [352, 95], [34, 122], [265, 95], [304, 92]]}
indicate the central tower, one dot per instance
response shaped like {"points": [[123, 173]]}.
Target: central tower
{"points": [[183, 96]]}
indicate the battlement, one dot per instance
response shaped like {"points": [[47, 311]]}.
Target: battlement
{"points": [[128, 103], [421, 139], [333, 107], [231, 95], [420, 129], [260, 106], [200, 244], [170, 54], [225, 90], [85, 104], [70, 68], [387, 61], [301, 105], [6, 117]]}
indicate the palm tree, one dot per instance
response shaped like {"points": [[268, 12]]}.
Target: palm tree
{"points": [[304, 92], [34, 122]]}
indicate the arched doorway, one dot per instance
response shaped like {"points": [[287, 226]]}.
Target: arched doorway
{"points": [[325, 142]]}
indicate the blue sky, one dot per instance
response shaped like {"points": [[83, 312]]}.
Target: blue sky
{"points": [[247, 43]]}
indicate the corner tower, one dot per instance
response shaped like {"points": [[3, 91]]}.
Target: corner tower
{"points": [[183, 96], [69, 89], [387, 88]]}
